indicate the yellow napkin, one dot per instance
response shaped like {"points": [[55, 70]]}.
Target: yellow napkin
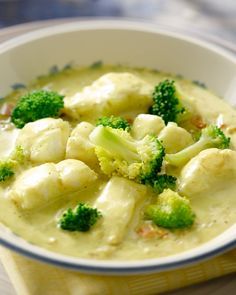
{"points": [[34, 278]]}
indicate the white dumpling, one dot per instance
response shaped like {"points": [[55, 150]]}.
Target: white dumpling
{"points": [[117, 203], [48, 182], [111, 94], [211, 170], [145, 124], [45, 140], [79, 146], [36, 186], [174, 138], [75, 175]]}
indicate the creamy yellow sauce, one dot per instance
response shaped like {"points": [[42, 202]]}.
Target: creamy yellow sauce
{"points": [[215, 212]]}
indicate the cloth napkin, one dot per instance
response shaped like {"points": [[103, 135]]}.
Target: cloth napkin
{"points": [[33, 278]]}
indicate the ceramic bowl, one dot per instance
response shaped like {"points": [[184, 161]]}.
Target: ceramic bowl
{"points": [[136, 44]]}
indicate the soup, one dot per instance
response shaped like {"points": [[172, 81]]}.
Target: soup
{"points": [[76, 160]]}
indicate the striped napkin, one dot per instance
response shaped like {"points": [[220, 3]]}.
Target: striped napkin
{"points": [[33, 278]]}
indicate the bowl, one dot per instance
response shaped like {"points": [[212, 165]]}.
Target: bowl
{"points": [[130, 43]]}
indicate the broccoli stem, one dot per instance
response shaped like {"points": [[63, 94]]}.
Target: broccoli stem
{"points": [[211, 137], [182, 157], [115, 144]]}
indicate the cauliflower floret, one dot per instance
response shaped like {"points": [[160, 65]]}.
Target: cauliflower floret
{"points": [[145, 124], [111, 94], [174, 138], [48, 182], [211, 170], [79, 146], [44, 140]]}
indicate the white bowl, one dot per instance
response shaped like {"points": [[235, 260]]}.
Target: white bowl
{"points": [[135, 44]]}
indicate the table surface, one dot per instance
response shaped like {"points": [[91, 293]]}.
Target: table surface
{"points": [[219, 286]]}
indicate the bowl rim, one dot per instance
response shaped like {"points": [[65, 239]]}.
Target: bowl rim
{"points": [[140, 25], [26, 27], [116, 268], [105, 266]]}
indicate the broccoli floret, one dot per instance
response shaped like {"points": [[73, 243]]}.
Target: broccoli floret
{"points": [[82, 218], [165, 102], [119, 154], [36, 105], [6, 170], [114, 122], [164, 181], [211, 137], [8, 166], [171, 211], [18, 155]]}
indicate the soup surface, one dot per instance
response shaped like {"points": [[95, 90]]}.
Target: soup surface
{"points": [[123, 232]]}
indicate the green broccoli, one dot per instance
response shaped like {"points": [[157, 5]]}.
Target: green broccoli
{"points": [[211, 137], [18, 155], [118, 153], [171, 211], [166, 103], [36, 105], [163, 181], [114, 122], [6, 170], [82, 218], [8, 166]]}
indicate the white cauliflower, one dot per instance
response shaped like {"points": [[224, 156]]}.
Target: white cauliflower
{"points": [[79, 146], [111, 94], [145, 124], [38, 186], [211, 170], [174, 138], [44, 140]]}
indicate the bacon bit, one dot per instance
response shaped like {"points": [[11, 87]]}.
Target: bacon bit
{"points": [[6, 109], [231, 129], [222, 126], [198, 122], [148, 231], [130, 120]]}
